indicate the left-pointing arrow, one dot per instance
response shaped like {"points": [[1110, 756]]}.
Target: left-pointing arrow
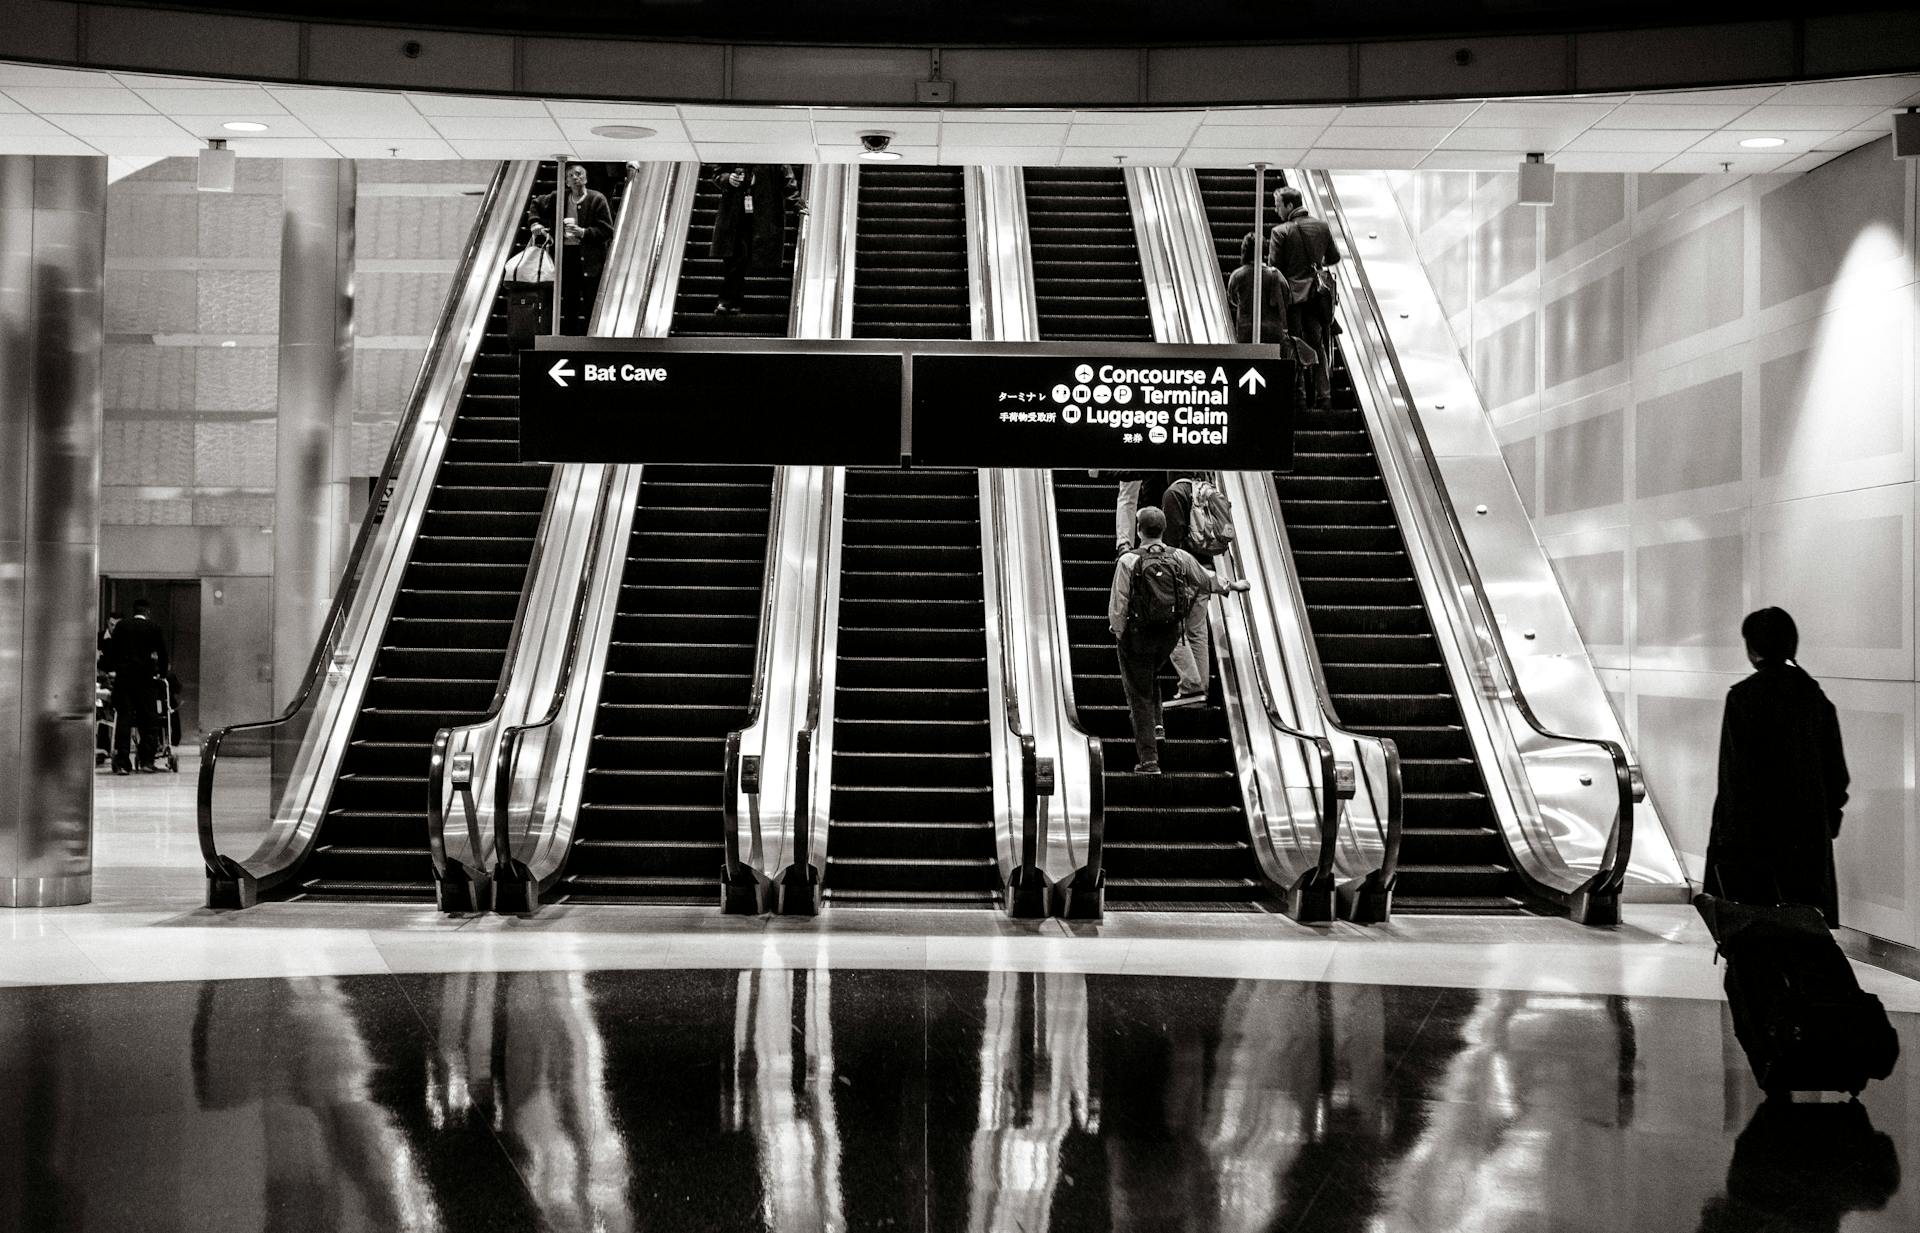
{"points": [[560, 372]]}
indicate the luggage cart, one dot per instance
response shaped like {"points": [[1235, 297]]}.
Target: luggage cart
{"points": [[169, 724]]}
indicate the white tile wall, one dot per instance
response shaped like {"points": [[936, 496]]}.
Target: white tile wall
{"points": [[1705, 386]]}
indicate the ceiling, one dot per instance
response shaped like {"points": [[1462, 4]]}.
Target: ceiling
{"points": [[132, 116], [870, 23]]}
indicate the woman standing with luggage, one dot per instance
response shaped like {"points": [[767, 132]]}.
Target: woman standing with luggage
{"points": [[1783, 779]]}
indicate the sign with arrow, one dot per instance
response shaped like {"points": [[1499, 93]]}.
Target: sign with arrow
{"points": [[1190, 409]]}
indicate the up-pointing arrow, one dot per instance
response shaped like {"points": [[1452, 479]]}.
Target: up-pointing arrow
{"points": [[560, 372], [1251, 380]]}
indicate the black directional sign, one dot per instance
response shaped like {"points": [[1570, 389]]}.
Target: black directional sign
{"points": [[1155, 412], [773, 407]]}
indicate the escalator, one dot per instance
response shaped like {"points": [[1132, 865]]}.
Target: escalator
{"points": [[911, 811], [680, 661], [911, 254], [442, 651], [1177, 840], [1375, 635], [769, 298]]}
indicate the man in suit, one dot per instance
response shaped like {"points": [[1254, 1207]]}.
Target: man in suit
{"points": [[1783, 779], [136, 655], [587, 229], [1301, 245], [750, 225]]}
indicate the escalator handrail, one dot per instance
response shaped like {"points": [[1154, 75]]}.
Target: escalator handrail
{"points": [[804, 737], [509, 743], [350, 579], [762, 665], [1062, 653], [1010, 684], [1329, 797], [510, 736], [1390, 837], [1619, 847]]}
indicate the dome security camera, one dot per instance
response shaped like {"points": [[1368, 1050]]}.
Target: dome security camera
{"points": [[874, 145]]}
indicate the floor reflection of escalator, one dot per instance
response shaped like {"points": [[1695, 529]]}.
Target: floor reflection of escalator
{"points": [[1374, 633], [444, 646], [1178, 839]]}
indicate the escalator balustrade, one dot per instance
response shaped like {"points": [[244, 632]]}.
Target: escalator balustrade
{"points": [[1374, 632], [444, 646]]}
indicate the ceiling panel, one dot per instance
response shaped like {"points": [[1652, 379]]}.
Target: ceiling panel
{"points": [[57, 143], [756, 131], [1629, 140], [1422, 115], [1744, 163], [1866, 91], [308, 103], [634, 151], [457, 105], [71, 100], [120, 126], [1544, 140], [1808, 118], [1671, 115], [279, 124], [1470, 160], [1539, 115], [999, 156], [1746, 96], [1321, 116], [35, 75], [1796, 142], [1003, 134], [586, 109], [381, 147], [1230, 158], [1136, 156], [248, 100], [1343, 138], [752, 152], [921, 156], [182, 146], [503, 149], [1242, 136], [500, 128], [1007, 115], [20, 124], [665, 128], [845, 133], [285, 147], [768, 115], [1583, 160], [1363, 160]]}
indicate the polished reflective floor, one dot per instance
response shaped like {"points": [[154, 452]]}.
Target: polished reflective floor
{"points": [[869, 1099]]}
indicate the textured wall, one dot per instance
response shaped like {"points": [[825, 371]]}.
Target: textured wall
{"points": [[190, 376], [1705, 390]]}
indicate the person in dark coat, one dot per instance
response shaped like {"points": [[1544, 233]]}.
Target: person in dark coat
{"points": [[588, 230], [750, 226], [1301, 245], [136, 655], [1783, 779], [1240, 297]]}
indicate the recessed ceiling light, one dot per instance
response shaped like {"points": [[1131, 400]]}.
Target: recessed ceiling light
{"points": [[1763, 143], [622, 132], [244, 126]]}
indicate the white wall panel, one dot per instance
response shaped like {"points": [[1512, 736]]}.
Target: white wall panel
{"points": [[1759, 339]]}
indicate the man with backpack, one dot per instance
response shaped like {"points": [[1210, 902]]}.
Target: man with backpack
{"points": [[1199, 522], [1155, 589]]}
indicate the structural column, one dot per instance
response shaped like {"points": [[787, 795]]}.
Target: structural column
{"points": [[312, 501], [52, 262]]}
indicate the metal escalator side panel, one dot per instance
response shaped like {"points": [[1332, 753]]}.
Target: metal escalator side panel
{"points": [[1556, 800], [442, 383], [636, 278], [1000, 274], [1188, 302]]}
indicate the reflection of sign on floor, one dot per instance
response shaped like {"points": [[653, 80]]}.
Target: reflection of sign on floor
{"points": [[1145, 414]]}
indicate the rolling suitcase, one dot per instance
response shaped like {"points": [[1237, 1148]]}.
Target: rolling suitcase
{"points": [[1804, 1021]]}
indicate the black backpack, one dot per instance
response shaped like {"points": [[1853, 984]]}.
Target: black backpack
{"points": [[1161, 597]]}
